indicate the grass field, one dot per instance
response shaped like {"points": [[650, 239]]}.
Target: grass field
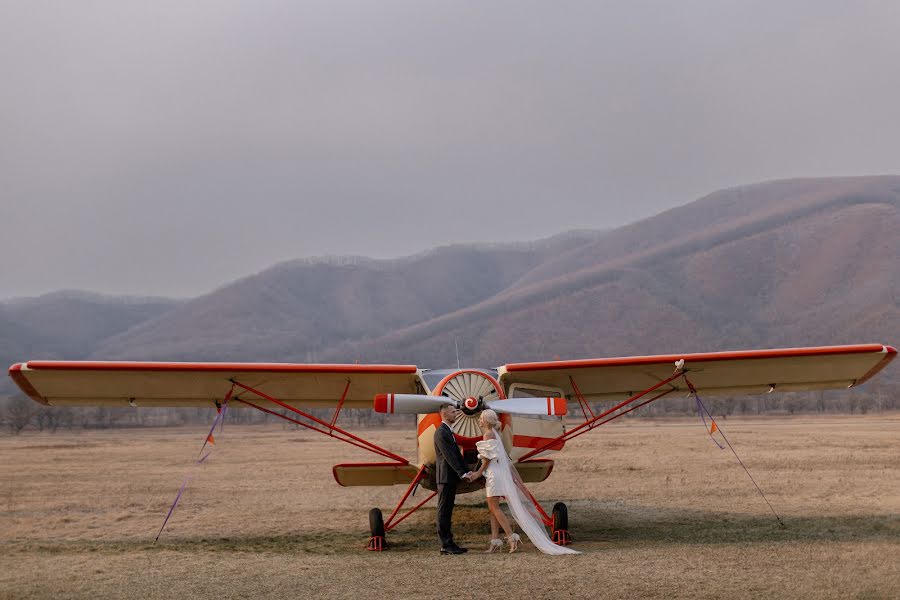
{"points": [[656, 508]]}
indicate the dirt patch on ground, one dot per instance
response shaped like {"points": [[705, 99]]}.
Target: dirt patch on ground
{"points": [[656, 508]]}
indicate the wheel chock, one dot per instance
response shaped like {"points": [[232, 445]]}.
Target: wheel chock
{"points": [[561, 537], [376, 544]]}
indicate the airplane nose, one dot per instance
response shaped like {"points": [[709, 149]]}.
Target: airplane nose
{"points": [[471, 405]]}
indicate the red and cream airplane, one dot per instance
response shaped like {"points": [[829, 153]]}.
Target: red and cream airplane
{"points": [[531, 399]]}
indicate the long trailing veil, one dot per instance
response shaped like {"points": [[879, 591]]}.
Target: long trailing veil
{"points": [[510, 485]]}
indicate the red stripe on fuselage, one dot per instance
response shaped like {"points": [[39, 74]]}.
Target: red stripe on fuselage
{"points": [[427, 421], [529, 441]]}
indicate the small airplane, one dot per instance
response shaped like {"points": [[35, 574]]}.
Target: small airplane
{"points": [[531, 399]]}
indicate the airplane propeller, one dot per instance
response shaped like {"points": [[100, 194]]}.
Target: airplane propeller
{"points": [[529, 406], [411, 403], [422, 404]]}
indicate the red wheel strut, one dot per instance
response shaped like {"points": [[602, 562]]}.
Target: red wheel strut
{"points": [[377, 543], [390, 524]]}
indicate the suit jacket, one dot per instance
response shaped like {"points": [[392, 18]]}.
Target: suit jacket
{"points": [[449, 465]]}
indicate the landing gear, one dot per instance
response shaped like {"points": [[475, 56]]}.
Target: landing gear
{"points": [[376, 528], [560, 525], [377, 524]]}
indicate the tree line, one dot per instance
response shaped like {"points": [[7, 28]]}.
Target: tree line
{"points": [[18, 414]]}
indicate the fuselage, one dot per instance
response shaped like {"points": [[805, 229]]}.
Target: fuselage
{"points": [[470, 387]]}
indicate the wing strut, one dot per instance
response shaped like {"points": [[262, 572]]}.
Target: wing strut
{"points": [[337, 409], [585, 407], [596, 421], [330, 429]]}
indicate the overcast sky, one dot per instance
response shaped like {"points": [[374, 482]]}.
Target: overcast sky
{"points": [[167, 148]]}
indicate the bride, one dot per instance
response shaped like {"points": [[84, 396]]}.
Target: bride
{"points": [[502, 479]]}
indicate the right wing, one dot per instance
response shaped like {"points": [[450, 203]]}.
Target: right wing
{"points": [[714, 373], [82, 383]]}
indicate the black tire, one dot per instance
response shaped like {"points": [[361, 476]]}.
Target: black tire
{"points": [[560, 517], [376, 523]]}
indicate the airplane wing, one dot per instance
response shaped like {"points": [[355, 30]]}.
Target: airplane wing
{"points": [[717, 373], [81, 383]]}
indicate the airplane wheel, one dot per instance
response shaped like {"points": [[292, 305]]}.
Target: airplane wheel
{"points": [[376, 529], [560, 515]]}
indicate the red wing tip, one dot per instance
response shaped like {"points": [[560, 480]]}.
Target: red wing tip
{"points": [[15, 372]]}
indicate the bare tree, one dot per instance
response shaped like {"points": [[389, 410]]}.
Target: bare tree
{"points": [[18, 414]]}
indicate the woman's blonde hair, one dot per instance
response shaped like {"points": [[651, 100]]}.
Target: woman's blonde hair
{"points": [[491, 418]]}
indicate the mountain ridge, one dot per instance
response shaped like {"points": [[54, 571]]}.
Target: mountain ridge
{"points": [[792, 262]]}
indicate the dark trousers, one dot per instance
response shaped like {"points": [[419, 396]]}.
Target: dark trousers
{"points": [[446, 500]]}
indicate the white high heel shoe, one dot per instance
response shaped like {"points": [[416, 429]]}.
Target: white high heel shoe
{"points": [[513, 542], [496, 545]]}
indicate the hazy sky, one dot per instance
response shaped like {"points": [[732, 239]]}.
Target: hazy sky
{"points": [[169, 147]]}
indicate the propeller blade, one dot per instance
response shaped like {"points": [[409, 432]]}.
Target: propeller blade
{"points": [[529, 406], [415, 404]]}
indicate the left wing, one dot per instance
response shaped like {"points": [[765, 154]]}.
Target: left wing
{"points": [[716, 373], [184, 384]]}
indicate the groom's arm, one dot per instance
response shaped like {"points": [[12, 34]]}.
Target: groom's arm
{"points": [[450, 451]]}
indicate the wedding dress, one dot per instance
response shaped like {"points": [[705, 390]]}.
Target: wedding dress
{"points": [[502, 479]]}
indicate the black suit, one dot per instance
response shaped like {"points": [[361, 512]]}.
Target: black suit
{"points": [[449, 469]]}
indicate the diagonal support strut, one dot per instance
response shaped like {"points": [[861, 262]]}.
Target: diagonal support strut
{"points": [[390, 523], [595, 421], [326, 428]]}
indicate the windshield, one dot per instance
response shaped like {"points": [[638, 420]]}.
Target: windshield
{"points": [[434, 377]]}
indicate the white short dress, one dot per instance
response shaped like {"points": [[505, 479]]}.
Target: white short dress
{"points": [[500, 481], [488, 449]]}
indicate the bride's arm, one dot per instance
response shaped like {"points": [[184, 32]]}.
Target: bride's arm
{"points": [[484, 464], [484, 461]]}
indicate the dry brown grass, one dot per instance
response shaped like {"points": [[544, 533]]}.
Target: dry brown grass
{"points": [[656, 508]]}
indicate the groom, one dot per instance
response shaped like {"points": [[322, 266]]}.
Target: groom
{"points": [[449, 468]]}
